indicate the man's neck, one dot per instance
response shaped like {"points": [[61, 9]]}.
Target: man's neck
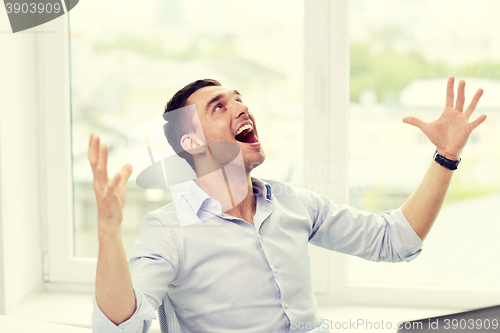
{"points": [[245, 210], [233, 191]]}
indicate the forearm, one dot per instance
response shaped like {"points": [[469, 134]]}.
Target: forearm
{"points": [[114, 290], [423, 206]]}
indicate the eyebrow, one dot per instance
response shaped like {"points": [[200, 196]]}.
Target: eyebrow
{"points": [[219, 97]]}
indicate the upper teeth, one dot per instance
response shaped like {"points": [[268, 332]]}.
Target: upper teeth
{"points": [[242, 128]]}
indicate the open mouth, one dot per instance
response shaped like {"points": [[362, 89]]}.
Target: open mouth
{"points": [[246, 135]]}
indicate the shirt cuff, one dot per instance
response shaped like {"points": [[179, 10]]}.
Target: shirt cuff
{"points": [[140, 321], [405, 240]]}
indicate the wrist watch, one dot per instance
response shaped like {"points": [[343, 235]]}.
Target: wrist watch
{"points": [[447, 163]]}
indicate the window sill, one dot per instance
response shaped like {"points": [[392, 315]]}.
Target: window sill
{"points": [[13, 324], [75, 309]]}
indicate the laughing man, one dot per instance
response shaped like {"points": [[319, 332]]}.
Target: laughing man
{"points": [[241, 263]]}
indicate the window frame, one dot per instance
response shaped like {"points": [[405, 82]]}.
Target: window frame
{"points": [[327, 45], [60, 266], [326, 97]]}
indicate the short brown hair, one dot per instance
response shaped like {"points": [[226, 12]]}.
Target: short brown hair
{"points": [[179, 123]]}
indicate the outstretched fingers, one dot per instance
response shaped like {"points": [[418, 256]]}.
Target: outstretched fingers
{"points": [[120, 178], [126, 171], [450, 94], [93, 153], [473, 103], [101, 170], [477, 122], [460, 96], [415, 122], [114, 183], [98, 157]]}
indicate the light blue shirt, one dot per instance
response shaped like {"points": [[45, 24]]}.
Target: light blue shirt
{"points": [[223, 274]]}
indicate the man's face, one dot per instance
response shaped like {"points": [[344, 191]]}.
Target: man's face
{"points": [[224, 118]]}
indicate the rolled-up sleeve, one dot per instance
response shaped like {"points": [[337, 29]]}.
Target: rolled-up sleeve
{"points": [[406, 241], [139, 322], [153, 265], [385, 237]]}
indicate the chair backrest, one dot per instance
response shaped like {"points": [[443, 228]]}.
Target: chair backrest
{"points": [[168, 317]]}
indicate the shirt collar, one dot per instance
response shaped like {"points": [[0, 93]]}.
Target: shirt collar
{"points": [[261, 188], [195, 196]]}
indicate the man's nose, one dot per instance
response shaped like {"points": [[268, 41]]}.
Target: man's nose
{"points": [[240, 110]]}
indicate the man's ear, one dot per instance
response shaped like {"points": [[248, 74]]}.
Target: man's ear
{"points": [[191, 144]]}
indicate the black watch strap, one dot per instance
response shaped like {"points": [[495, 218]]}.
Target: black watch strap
{"points": [[447, 163]]}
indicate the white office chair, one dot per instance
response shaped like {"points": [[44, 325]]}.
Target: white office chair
{"points": [[168, 317]]}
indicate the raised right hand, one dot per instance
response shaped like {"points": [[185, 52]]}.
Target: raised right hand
{"points": [[110, 193], [450, 132]]}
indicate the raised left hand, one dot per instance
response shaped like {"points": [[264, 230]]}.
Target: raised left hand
{"points": [[451, 131]]}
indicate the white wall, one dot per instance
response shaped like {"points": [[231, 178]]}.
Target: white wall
{"points": [[20, 242]]}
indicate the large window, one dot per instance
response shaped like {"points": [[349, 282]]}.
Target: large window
{"points": [[401, 55], [126, 67], [354, 69]]}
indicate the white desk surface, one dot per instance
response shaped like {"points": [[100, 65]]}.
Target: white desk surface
{"points": [[20, 325]]}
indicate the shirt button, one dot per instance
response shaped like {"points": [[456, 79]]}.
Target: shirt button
{"points": [[286, 305], [275, 270]]}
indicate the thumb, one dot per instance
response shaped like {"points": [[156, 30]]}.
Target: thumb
{"points": [[414, 121], [126, 171], [477, 122]]}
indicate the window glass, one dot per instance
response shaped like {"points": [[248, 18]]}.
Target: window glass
{"points": [[402, 53], [129, 58]]}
